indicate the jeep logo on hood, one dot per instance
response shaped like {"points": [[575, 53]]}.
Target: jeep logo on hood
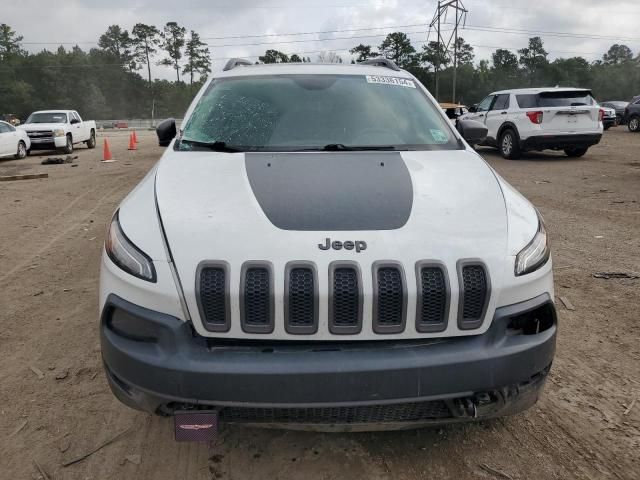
{"points": [[358, 245]]}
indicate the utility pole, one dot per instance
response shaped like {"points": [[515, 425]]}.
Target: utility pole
{"points": [[461, 17]]}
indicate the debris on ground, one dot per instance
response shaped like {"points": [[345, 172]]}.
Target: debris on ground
{"points": [[37, 371], [42, 471], [608, 275], [58, 160], [633, 402], [494, 471], [30, 176], [567, 303], [540, 182], [62, 375], [19, 428], [135, 459], [96, 449]]}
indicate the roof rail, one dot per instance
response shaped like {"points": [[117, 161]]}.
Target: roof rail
{"points": [[235, 62], [381, 62]]}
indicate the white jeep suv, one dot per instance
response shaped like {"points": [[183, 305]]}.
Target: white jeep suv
{"points": [[318, 245], [566, 119]]}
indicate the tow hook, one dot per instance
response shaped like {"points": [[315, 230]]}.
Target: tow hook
{"points": [[465, 407]]}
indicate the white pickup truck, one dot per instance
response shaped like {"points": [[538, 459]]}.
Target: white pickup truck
{"points": [[59, 129]]}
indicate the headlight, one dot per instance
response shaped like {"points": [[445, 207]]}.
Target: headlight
{"points": [[126, 255], [534, 255], [58, 132]]}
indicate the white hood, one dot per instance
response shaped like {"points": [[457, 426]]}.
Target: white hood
{"points": [[39, 127], [209, 212]]}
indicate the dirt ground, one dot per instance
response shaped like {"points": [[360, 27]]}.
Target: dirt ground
{"points": [[55, 403]]}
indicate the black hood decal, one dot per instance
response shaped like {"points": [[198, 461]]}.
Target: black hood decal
{"points": [[332, 191]]}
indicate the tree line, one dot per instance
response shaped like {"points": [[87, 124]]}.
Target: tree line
{"points": [[114, 80]]}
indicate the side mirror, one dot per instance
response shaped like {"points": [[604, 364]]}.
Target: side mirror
{"points": [[472, 131], [166, 131], [74, 121], [473, 108]]}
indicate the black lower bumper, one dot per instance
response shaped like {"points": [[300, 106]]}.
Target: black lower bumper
{"points": [[160, 365], [560, 142]]}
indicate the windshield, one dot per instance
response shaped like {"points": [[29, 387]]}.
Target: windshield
{"points": [[47, 117], [307, 112]]}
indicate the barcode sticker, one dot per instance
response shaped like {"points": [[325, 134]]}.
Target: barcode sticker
{"points": [[396, 81]]}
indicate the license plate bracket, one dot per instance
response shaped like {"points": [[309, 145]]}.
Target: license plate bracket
{"points": [[196, 426]]}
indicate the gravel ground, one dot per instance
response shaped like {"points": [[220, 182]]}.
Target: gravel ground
{"points": [[56, 405]]}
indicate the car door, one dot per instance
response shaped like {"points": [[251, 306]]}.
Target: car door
{"points": [[76, 128], [497, 115], [481, 109], [84, 128], [6, 139]]}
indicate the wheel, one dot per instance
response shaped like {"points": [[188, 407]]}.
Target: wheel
{"points": [[22, 150], [91, 143], [576, 152], [634, 124], [69, 146], [509, 145], [607, 127]]}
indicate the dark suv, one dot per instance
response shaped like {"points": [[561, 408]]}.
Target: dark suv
{"points": [[632, 116]]}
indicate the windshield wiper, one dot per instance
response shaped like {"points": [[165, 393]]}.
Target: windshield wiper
{"points": [[339, 147], [215, 146]]}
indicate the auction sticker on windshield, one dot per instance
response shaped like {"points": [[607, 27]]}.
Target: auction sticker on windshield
{"points": [[396, 81]]}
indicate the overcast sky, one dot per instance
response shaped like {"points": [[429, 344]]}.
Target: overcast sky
{"points": [[47, 24]]}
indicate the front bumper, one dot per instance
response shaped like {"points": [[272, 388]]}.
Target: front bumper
{"points": [[162, 365], [560, 142], [48, 143]]}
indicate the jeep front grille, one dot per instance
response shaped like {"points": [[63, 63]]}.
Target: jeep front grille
{"points": [[389, 302], [214, 297], [343, 300], [301, 299], [256, 298], [474, 295], [433, 298]]}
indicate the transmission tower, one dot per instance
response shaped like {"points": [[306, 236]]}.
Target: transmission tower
{"points": [[439, 18]]}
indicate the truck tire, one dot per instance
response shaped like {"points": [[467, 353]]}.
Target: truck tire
{"points": [[69, 146], [634, 124], [576, 152], [509, 145], [22, 150], [91, 143]]}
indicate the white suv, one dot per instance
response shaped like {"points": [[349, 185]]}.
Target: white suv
{"points": [[319, 245], [566, 119]]}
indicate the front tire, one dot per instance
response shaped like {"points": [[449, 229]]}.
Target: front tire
{"points": [[91, 143], [634, 124], [509, 145], [576, 152], [68, 148], [22, 151]]}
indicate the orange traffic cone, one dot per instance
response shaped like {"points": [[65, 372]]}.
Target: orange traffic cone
{"points": [[106, 152], [135, 137], [132, 143]]}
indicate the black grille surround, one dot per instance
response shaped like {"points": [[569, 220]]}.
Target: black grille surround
{"points": [[256, 297], [475, 291], [389, 297], [361, 414], [301, 303], [212, 294], [433, 296], [345, 298]]}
